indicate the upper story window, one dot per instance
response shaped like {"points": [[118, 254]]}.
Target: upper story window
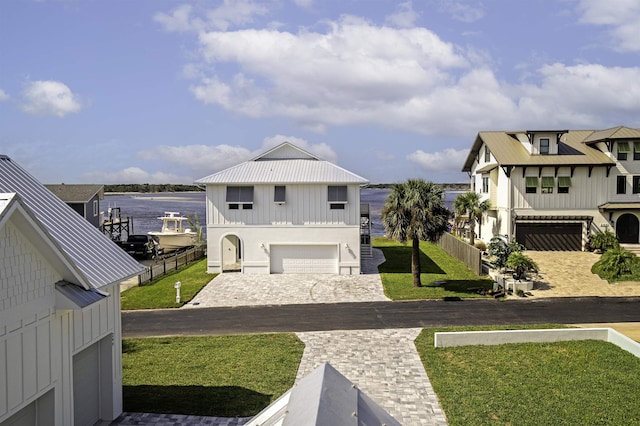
{"points": [[636, 150], [485, 184], [544, 146], [337, 197], [636, 185], [280, 194], [95, 207], [546, 184], [623, 150], [621, 185], [531, 184], [487, 154], [564, 182], [240, 196]]}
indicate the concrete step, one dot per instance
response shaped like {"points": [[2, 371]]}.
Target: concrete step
{"points": [[633, 248]]}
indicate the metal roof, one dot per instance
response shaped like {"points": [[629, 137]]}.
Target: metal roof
{"points": [[324, 398], [76, 297], [76, 193], [284, 164], [620, 206], [98, 258], [508, 150], [620, 132]]}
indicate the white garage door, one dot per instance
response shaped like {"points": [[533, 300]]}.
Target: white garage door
{"points": [[86, 383], [304, 259]]}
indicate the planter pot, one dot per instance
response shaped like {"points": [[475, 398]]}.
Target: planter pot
{"points": [[515, 285]]}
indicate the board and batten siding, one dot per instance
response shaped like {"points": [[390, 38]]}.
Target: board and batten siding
{"points": [[306, 204]]}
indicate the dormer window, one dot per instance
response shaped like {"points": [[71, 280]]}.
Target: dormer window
{"points": [[337, 196], [544, 146], [623, 150]]}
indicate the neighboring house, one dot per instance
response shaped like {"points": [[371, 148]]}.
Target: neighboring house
{"points": [[60, 338], [550, 189], [285, 211], [85, 199]]}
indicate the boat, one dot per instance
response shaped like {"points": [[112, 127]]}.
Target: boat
{"points": [[174, 236]]}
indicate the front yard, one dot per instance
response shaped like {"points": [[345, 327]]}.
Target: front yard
{"points": [[442, 275]]}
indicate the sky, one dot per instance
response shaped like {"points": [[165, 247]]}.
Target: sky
{"points": [[163, 91]]}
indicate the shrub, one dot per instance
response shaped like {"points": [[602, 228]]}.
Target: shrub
{"points": [[521, 264], [480, 245], [616, 262], [500, 249], [604, 241]]}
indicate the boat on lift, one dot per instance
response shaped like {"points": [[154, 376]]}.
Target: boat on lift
{"points": [[174, 235]]}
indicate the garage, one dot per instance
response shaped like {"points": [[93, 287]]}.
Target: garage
{"points": [[550, 236], [86, 386], [304, 259]]}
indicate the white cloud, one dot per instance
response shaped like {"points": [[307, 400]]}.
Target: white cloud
{"points": [[305, 4], [405, 17], [464, 12], [228, 14], [199, 160], [3, 95], [134, 175], [622, 16], [50, 98], [439, 161]]}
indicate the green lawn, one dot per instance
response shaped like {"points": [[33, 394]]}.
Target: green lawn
{"points": [[436, 267], [565, 383], [162, 294], [224, 376]]}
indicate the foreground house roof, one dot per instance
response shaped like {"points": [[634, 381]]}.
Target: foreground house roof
{"points": [[99, 260], [324, 398], [76, 193], [575, 147], [285, 163]]}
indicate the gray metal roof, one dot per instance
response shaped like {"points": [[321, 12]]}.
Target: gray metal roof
{"points": [[76, 297], [76, 193], [324, 398], [98, 258], [507, 149], [284, 164]]}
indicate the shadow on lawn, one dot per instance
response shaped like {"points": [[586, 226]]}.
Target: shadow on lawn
{"points": [[219, 401], [399, 261]]}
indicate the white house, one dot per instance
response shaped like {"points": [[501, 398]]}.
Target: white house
{"points": [[284, 211], [60, 339], [550, 189]]}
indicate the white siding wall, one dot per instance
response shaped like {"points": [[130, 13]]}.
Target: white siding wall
{"points": [[305, 205]]}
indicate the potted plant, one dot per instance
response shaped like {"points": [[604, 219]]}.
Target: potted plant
{"points": [[521, 266]]}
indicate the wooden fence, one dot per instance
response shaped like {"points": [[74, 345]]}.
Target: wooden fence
{"points": [[468, 254], [171, 263]]}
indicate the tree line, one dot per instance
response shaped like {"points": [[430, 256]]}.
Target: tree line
{"points": [[151, 187]]}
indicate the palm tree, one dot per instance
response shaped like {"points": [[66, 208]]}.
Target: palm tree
{"points": [[415, 211], [469, 204]]}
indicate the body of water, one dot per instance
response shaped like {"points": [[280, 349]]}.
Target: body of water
{"points": [[145, 209]]}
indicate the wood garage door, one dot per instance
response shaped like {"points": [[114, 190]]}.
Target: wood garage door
{"points": [[550, 236], [299, 259], [86, 383]]}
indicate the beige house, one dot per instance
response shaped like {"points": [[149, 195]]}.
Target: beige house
{"points": [[550, 189], [284, 211], [60, 338]]}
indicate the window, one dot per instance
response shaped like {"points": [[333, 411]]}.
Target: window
{"points": [[544, 146], [531, 184], [564, 182], [337, 196], [95, 207], [240, 196], [279, 195], [636, 184], [485, 184], [623, 150], [487, 154], [547, 184], [636, 150], [621, 185]]}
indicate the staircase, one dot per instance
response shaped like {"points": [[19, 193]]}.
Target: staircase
{"points": [[633, 248]]}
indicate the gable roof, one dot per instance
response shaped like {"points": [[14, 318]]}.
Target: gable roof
{"points": [[98, 258], [620, 132], [508, 150], [285, 163], [76, 193], [324, 397]]}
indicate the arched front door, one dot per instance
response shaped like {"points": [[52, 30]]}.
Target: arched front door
{"points": [[627, 228], [231, 254]]}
